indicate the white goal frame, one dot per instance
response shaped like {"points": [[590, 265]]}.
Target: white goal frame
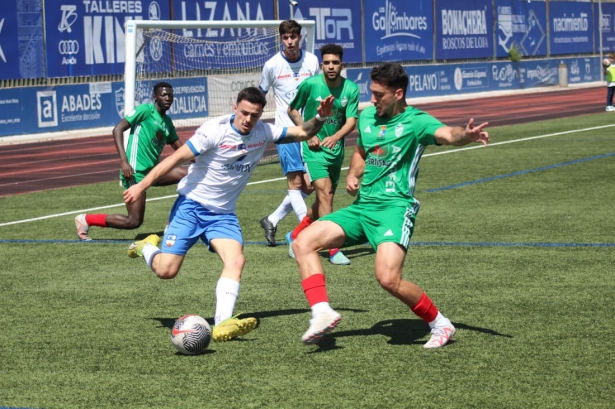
{"points": [[133, 26]]}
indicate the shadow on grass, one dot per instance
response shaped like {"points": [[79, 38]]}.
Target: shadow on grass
{"points": [[351, 252], [168, 322], [400, 332]]}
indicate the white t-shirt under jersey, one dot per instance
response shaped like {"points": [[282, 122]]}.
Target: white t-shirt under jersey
{"points": [[225, 160], [284, 77]]}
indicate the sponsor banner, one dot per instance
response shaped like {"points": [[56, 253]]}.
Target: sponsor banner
{"points": [[223, 92], [229, 47], [49, 109], [360, 76], [190, 97], [334, 25], [396, 30], [464, 29], [571, 28], [21, 39], [86, 37], [582, 69], [521, 24], [607, 29]]}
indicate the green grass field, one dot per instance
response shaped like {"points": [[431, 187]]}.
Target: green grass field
{"points": [[513, 242]]}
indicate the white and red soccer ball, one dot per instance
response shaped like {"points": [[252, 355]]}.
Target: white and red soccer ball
{"points": [[191, 334]]}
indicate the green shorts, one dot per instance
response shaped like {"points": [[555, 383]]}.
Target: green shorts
{"points": [[377, 225], [136, 178], [325, 168]]}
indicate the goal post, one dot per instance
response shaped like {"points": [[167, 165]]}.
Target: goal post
{"points": [[205, 62]]}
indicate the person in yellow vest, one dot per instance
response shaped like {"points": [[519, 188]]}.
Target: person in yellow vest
{"points": [[609, 76]]}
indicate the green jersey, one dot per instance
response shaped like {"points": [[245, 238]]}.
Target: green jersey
{"points": [[149, 133], [393, 147], [346, 105]]}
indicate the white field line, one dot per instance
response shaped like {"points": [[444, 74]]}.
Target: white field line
{"points": [[278, 179]]}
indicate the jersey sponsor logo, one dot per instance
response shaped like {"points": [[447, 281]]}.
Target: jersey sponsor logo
{"points": [[238, 167], [256, 145], [379, 163], [399, 130]]}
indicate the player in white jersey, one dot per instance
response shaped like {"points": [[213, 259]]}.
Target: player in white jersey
{"points": [[225, 151], [283, 73]]}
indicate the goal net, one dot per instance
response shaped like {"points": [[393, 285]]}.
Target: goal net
{"points": [[206, 62]]}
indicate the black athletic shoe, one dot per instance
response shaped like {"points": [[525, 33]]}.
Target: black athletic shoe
{"points": [[270, 230]]}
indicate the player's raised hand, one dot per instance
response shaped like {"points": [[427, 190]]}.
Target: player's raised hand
{"points": [[476, 133], [326, 107]]}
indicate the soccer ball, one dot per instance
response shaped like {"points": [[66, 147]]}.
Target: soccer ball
{"points": [[191, 334], [606, 62]]}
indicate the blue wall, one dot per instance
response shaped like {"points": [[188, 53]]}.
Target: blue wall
{"points": [[68, 107]]}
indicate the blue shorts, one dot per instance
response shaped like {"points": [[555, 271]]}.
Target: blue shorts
{"points": [[190, 221], [290, 157]]}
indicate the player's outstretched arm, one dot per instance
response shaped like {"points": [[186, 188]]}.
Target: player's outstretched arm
{"points": [[118, 139], [311, 127], [458, 136], [355, 173], [183, 154]]}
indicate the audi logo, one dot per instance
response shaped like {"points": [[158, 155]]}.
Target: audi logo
{"points": [[68, 47]]}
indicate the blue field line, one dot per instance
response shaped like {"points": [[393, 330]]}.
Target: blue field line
{"points": [[521, 172], [417, 243]]}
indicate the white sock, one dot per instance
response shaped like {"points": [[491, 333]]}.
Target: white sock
{"points": [[227, 291], [320, 307], [283, 209], [149, 252], [440, 321], [297, 200]]}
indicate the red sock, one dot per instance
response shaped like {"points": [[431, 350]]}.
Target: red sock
{"points": [[99, 220], [333, 252], [304, 223], [315, 289], [425, 309]]}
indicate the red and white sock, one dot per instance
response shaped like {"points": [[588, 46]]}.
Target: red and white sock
{"points": [[315, 291]]}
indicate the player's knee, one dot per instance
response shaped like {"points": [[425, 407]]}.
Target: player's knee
{"points": [[236, 264], [303, 245], [388, 281], [166, 272], [134, 222]]}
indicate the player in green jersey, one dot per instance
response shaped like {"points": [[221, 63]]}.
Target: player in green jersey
{"points": [[392, 138], [324, 153], [150, 130]]}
